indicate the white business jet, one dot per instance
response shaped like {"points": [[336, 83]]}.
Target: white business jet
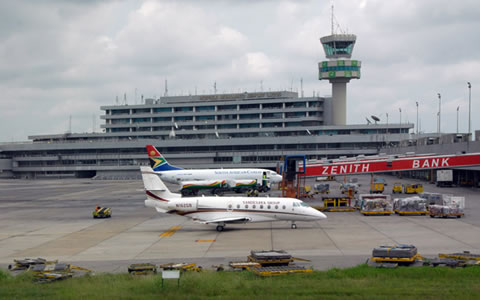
{"points": [[225, 210]]}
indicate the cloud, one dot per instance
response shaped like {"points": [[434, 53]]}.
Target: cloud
{"points": [[63, 58]]}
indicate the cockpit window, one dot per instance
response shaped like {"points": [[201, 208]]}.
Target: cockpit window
{"points": [[304, 204]]}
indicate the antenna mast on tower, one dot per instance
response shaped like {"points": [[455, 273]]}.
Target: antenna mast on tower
{"points": [[166, 88], [332, 17]]}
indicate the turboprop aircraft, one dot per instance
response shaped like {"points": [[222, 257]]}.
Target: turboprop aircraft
{"points": [[221, 211], [233, 177]]}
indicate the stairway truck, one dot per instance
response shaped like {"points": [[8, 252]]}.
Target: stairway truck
{"points": [[444, 178]]}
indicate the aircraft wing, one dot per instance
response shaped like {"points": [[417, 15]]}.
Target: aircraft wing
{"points": [[233, 220]]}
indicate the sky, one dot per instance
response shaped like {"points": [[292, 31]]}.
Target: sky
{"points": [[61, 60]]}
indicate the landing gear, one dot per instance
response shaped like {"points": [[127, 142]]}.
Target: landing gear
{"points": [[220, 228], [294, 226]]}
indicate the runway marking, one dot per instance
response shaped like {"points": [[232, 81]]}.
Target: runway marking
{"points": [[205, 241], [171, 231]]}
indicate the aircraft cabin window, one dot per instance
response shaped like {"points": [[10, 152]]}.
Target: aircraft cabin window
{"points": [[246, 206], [230, 206], [253, 206], [238, 205], [276, 206], [261, 206], [268, 207], [283, 207]]}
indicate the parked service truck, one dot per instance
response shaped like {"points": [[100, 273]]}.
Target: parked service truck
{"points": [[444, 177]]}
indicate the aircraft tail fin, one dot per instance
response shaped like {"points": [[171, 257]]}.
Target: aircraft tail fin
{"points": [[154, 186], [157, 161]]}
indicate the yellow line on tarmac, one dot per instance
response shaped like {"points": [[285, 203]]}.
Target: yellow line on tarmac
{"points": [[170, 231], [205, 241]]}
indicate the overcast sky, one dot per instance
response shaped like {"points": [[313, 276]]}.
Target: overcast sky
{"points": [[61, 58]]}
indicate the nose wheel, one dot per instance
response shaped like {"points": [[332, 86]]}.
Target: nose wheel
{"points": [[220, 228], [294, 226]]}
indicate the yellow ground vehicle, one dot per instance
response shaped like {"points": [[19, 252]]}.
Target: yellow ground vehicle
{"points": [[413, 189], [377, 188], [397, 188], [102, 212]]}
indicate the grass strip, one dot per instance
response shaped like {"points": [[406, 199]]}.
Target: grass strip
{"points": [[359, 282]]}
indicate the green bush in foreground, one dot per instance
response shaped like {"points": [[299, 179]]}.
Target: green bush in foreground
{"points": [[359, 282]]}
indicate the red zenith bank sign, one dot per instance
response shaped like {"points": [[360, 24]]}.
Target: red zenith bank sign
{"points": [[376, 165]]}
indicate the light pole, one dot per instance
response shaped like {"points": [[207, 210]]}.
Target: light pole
{"points": [[400, 110], [417, 116], [469, 107], [458, 108], [439, 112]]}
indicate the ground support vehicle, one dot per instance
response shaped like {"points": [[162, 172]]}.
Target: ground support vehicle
{"points": [[217, 187], [243, 265], [181, 266], [346, 187], [54, 272], [392, 256], [436, 214], [102, 212], [142, 269], [466, 255], [413, 189], [377, 188], [280, 270], [452, 263], [271, 263], [272, 258], [397, 188], [336, 204], [410, 206], [375, 204], [24, 264], [453, 206], [322, 188]]}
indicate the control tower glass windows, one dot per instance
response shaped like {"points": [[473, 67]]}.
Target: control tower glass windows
{"points": [[338, 48]]}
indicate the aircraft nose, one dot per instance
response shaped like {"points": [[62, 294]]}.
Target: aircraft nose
{"points": [[319, 214], [277, 178]]}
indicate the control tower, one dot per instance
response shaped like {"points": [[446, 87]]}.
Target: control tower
{"points": [[339, 69]]}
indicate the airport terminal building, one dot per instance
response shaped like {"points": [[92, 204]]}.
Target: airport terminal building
{"points": [[201, 131]]}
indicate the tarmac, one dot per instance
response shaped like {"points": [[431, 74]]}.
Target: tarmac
{"points": [[52, 219]]}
